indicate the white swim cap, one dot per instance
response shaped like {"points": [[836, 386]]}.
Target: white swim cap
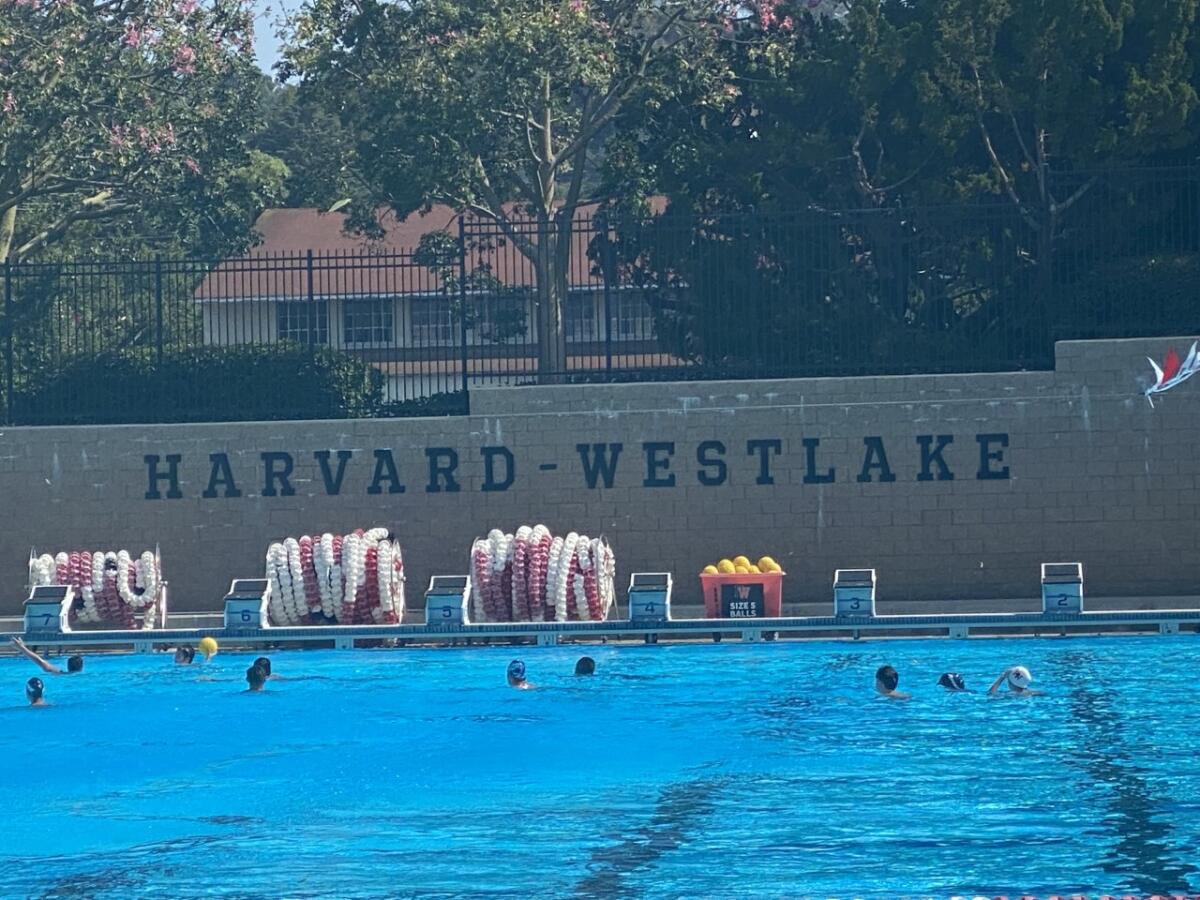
{"points": [[1019, 677]]}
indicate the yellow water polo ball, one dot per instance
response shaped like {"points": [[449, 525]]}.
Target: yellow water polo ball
{"points": [[710, 570], [741, 570], [208, 646], [768, 565], [741, 561], [725, 567]]}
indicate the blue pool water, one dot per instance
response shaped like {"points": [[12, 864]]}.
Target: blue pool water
{"points": [[677, 771]]}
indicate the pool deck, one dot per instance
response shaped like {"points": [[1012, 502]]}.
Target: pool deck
{"points": [[957, 625]]}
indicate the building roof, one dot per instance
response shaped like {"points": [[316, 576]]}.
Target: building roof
{"points": [[350, 265]]}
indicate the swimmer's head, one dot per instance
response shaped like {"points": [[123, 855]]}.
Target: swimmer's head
{"points": [[886, 679], [256, 677], [34, 689], [185, 654], [952, 681], [1019, 678], [75, 663], [265, 664], [585, 666], [516, 672]]}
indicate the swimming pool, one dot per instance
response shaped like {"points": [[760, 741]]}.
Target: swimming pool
{"points": [[676, 771]]}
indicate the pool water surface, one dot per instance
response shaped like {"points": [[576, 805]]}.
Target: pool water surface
{"points": [[675, 771]]}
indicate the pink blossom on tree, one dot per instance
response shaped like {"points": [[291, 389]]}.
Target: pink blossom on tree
{"points": [[184, 61]]}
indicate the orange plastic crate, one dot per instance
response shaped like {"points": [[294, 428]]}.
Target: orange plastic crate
{"points": [[745, 596]]}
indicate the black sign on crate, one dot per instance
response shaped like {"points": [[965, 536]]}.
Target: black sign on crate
{"points": [[742, 601]]}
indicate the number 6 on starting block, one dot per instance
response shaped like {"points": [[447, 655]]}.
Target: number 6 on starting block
{"points": [[246, 604]]}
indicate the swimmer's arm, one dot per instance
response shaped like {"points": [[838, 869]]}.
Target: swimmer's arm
{"points": [[35, 658], [999, 681]]}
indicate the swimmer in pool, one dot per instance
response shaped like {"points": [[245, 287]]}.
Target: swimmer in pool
{"points": [[256, 678], [886, 681], [184, 655], [585, 666], [74, 663], [34, 689], [953, 682], [516, 676], [1017, 678]]}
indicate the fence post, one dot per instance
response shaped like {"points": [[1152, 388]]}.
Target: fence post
{"points": [[8, 343], [158, 309], [462, 303], [606, 254], [312, 310]]}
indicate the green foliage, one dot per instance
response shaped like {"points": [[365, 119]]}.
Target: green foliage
{"points": [[502, 109], [495, 311], [452, 403], [863, 121], [132, 114], [1102, 304], [318, 152], [239, 383]]}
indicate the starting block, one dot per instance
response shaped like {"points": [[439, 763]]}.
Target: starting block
{"points": [[48, 609], [853, 592], [246, 605], [446, 600], [1062, 588], [650, 598]]}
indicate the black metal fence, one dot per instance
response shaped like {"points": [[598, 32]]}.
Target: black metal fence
{"points": [[979, 287]]}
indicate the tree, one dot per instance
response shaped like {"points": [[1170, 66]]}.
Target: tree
{"points": [[1063, 84], [311, 141], [504, 110], [1025, 111], [122, 107]]}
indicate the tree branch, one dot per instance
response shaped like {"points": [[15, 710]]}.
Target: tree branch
{"points": [[92, 209]]}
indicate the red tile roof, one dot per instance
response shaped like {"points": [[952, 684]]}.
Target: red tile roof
{"points": [[354, 265]]}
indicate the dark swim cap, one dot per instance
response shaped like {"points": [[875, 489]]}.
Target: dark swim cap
{"points": [[952, 681], [516, 670], [888, 677], [34, 688], [263, 663], [75, 663]]}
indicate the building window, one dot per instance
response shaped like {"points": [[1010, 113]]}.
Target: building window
{"points": [[367, 321], [500, 318], [302, 321], [580, 316], [432, 321], [634, 318]]}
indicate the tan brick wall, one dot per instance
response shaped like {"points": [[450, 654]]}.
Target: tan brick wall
{"points": [[1095, 474]]}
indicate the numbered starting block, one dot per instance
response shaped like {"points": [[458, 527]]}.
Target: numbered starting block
{"points": [[1062, 588], [446, 600], [854, 592], [650, 598], [48, 609], [246, 605]]}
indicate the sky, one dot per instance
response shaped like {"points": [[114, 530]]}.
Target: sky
{"points": [[266, 44]]}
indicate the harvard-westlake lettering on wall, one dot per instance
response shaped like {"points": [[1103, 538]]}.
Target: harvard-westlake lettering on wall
{"points": [[654, 464]]}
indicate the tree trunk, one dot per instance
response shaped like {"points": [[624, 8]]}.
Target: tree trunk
{"points": [[8, 228], [551, 267]]}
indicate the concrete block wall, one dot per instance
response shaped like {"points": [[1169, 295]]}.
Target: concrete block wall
{"points": [[819, 473]]}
